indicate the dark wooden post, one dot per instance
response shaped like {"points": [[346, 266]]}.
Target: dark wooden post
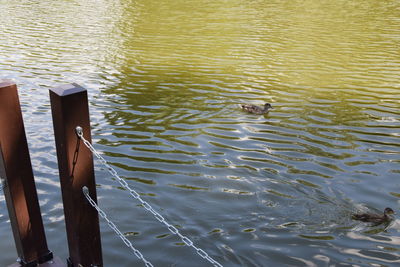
{"points": [[20, 190], [69, 105]]}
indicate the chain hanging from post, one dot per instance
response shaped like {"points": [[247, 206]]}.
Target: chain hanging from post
{"points": [[128, 243], [146, 205]]}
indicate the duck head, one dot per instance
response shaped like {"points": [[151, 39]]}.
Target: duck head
{"points": [[267, 106], [388, 211]]}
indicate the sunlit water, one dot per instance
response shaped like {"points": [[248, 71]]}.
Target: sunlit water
{"points": [[164, 80]]}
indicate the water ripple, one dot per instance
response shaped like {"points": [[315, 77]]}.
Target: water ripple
{"points": [[164, 80]]}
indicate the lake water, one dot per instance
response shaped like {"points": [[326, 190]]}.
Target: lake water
{"points": [[164, 79]]}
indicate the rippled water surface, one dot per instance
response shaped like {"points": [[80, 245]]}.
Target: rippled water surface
{"points": [[164, 80]]}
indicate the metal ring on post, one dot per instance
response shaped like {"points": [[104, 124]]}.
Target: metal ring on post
{"points": [[79, 131], [85, 190]]}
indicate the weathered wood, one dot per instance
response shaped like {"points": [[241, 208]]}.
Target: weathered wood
{"points": [[20, 190], [69, 105]]}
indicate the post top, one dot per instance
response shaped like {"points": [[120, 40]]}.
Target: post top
{"points": [[6, 82], [68, 89]]}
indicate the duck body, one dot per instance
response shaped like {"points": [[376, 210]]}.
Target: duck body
{"points": [[374, 218], [256, 109]]}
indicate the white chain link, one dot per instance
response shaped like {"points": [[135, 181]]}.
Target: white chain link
{"points": [[128, 243], [145, 204]]}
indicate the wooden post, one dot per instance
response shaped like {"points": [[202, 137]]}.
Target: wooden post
{"points": [[20, 190], [69, 105]]}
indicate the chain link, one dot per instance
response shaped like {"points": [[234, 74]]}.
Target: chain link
{"points": [[128, 243], [146, 205]]}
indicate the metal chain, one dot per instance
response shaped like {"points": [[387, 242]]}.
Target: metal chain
{"points": [[146, 205], [128, 243]]}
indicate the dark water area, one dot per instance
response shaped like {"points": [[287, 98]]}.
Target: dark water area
{"points": [[164, 80]]}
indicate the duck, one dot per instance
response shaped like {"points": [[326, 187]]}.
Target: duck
{"points": [[374, 218], [256, 109]]}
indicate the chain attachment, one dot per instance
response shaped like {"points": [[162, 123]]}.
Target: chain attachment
{"points": [[146, 205], [79, 131], [128, 243]]}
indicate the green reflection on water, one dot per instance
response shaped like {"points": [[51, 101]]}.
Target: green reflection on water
{"points": [[319, 237], [310, 44]]}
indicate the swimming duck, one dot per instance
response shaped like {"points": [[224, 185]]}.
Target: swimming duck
{"points": [[256, 109], [374, 218]]}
